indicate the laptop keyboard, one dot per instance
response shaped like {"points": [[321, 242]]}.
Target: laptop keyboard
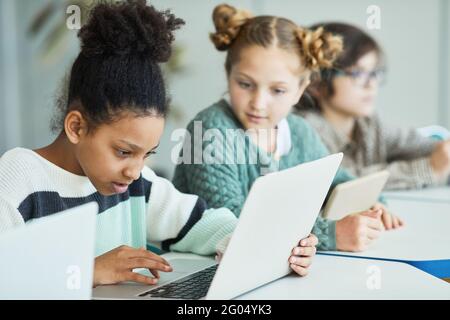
{"points": [[193, 286]]}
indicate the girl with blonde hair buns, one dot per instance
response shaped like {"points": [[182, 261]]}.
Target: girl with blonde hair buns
{"points": [[268, 65]]}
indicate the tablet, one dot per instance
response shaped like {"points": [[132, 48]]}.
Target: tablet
{"points": [[355, 195]]}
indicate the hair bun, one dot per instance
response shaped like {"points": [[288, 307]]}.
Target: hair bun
{"points": [[228, 22], [130, 28], [320, 48]]}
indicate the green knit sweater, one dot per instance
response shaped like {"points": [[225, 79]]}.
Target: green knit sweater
{"points": [[227, 184]]}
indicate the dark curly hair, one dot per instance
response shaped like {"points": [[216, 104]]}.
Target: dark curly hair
{"points": [[117, 69]]}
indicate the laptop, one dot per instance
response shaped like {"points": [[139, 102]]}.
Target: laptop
{"points": [[355, 196], [51, 257], [280, 209]]}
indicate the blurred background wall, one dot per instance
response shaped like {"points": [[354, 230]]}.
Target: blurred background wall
{"points": [[36, 50]]}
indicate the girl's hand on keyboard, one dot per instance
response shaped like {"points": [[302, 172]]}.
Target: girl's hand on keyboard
{"points": [[301, 257], [117, 266]]}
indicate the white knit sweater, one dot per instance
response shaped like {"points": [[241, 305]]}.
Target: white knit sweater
{"points": [[151, 211]]}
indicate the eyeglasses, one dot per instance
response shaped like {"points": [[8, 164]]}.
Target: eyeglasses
{"points": [[362, 78]]}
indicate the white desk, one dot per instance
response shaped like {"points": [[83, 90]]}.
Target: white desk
{"points": [[441, 194], [334, 277], [425, 236]]}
